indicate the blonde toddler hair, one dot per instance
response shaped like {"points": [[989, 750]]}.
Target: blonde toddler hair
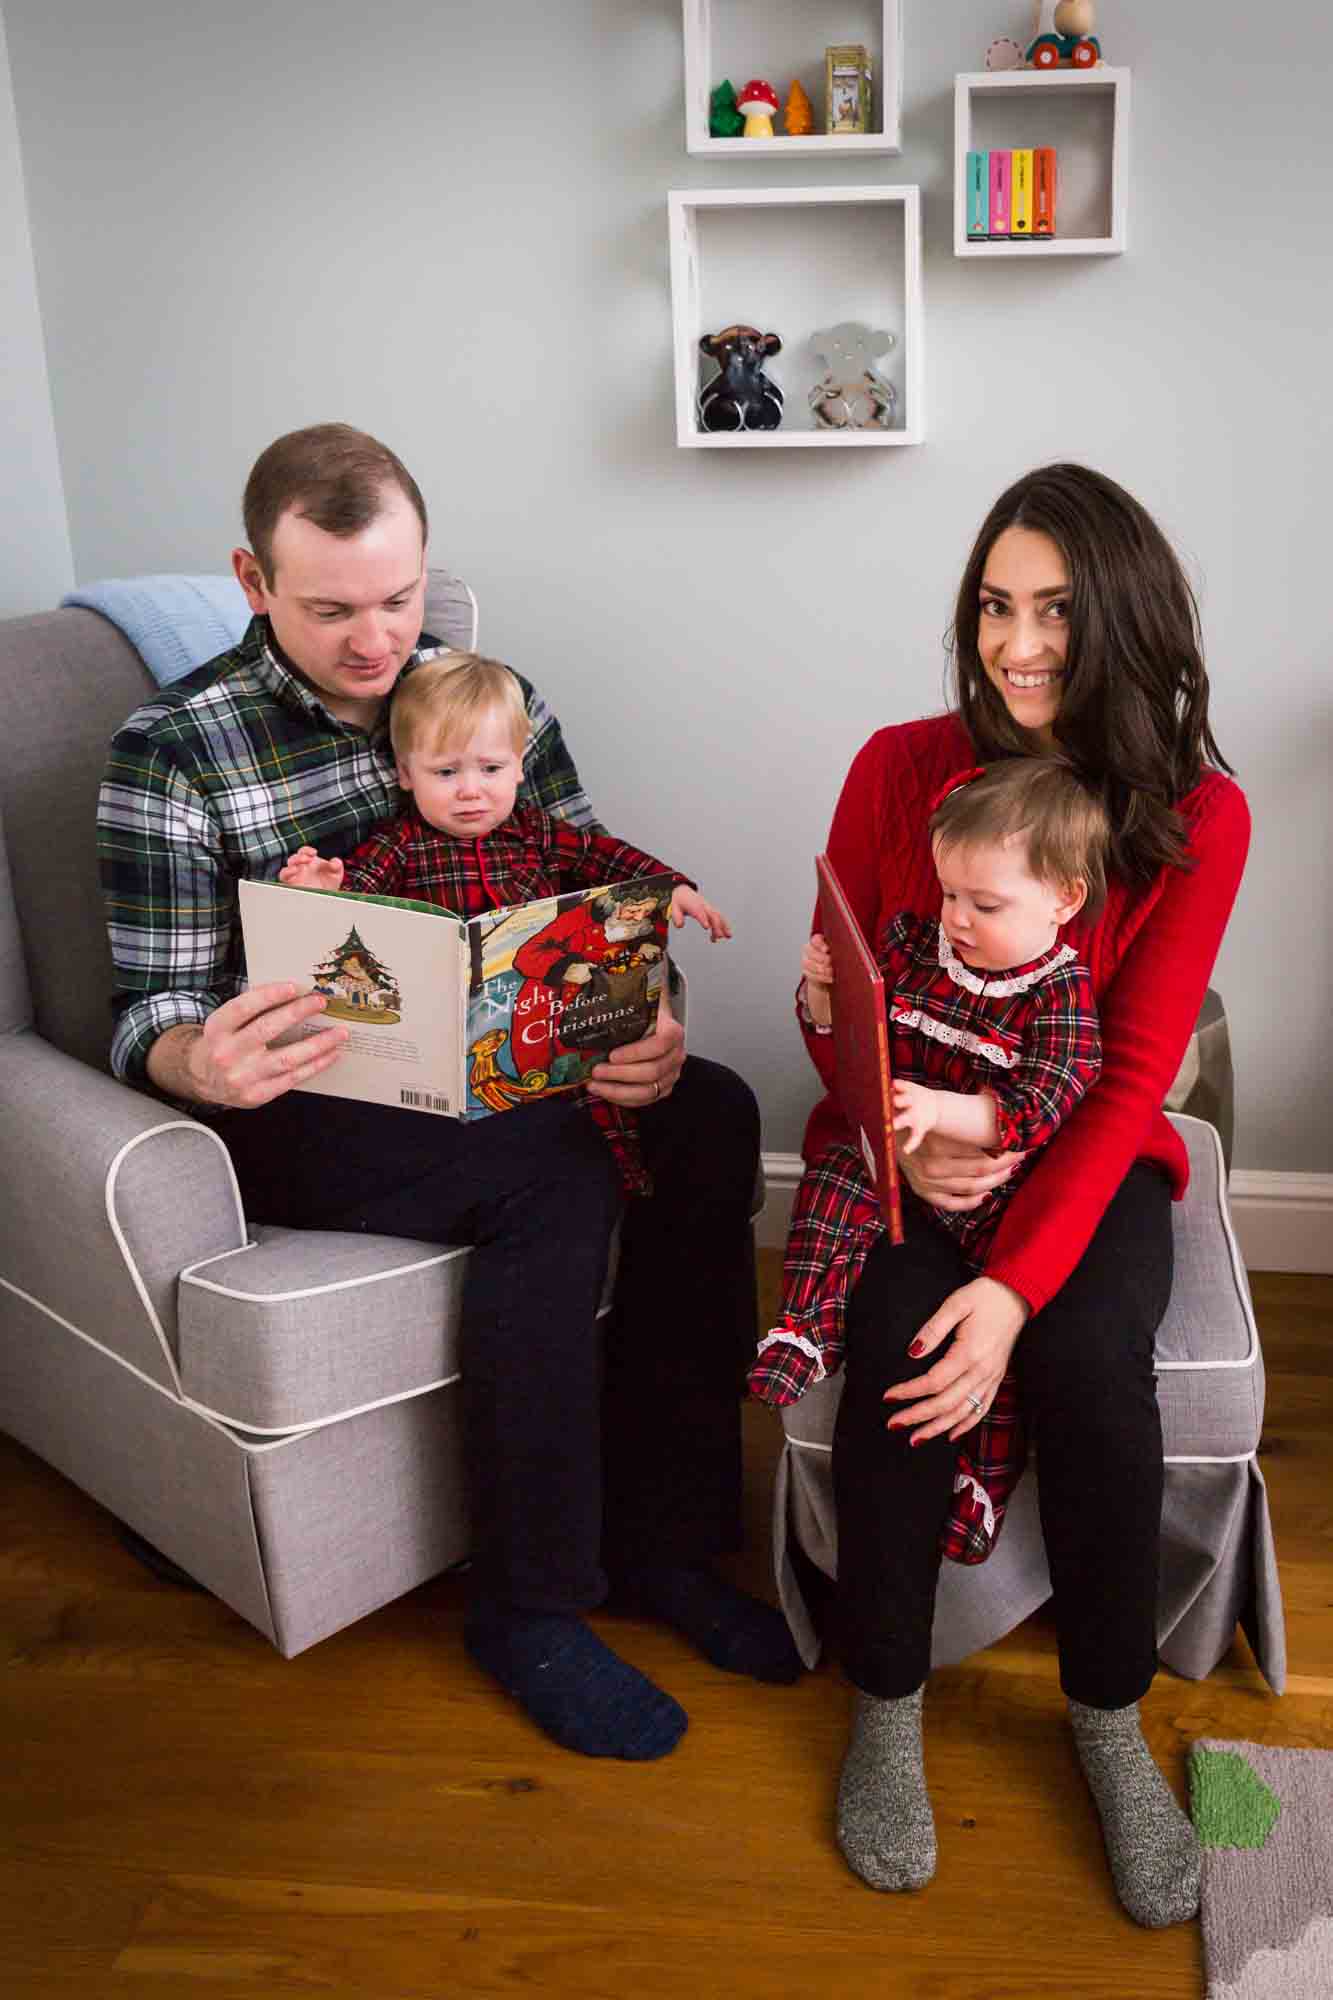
{"points": [[440, 704]]}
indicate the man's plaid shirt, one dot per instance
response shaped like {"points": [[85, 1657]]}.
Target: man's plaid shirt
{"points": [[219, 778], [1031, 1037]]}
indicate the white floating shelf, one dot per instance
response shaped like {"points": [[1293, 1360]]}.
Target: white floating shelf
{"points": [[793, 261], [1084, 114], [740, 39]]}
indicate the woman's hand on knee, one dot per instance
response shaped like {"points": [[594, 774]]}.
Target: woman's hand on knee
{"points": [[985, 1319], [949, 1173]]}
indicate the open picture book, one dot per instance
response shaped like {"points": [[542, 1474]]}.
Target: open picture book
{"points": [[861, 1044], [465, 1016]]}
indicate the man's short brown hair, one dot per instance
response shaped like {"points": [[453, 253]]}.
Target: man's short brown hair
{"points": [[329, 474], [1043, 801]]}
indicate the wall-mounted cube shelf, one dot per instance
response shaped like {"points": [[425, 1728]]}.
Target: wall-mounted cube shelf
{"points": [[785, 39], [1084, 114], [793, 261]]}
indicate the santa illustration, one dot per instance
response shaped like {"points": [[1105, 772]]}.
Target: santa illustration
{"points": [[586, 982]]}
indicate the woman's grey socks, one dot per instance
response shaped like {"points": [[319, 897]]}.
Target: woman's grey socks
{"points": [[886, 1829], [887, 1832], [1150, 1843]]}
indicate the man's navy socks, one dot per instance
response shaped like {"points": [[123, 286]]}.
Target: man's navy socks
{"points": [[733, 1630], [573, 1686]]}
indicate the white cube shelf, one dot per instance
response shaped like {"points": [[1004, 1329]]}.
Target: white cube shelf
{"points": [[793, 261], [1084, 114], [785, 39]]}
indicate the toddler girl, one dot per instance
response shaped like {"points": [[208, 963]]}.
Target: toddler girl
{"points": [[993, 1039]]}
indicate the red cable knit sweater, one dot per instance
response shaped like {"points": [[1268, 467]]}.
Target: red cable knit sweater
{"points": [[1150, 954]]}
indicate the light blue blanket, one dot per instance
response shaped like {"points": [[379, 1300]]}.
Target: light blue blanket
{"points": [[174, 622]]}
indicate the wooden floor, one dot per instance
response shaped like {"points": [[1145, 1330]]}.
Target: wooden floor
{"points": [[186, 1814]]}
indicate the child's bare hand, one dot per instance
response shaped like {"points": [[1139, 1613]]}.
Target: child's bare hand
{"points": [[305, 870], [817, 960], [915, 1110], [817, 971], [689, 903]]}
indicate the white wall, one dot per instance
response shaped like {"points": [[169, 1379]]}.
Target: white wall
{"points": [[36, 566], [447, 224]]}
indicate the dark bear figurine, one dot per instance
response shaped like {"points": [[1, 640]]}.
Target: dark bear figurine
{"points": [[740, 397]]}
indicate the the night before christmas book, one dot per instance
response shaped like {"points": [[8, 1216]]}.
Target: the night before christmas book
{"points": [[464, 1017]]}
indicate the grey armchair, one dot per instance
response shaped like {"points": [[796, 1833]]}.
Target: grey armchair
{"points": [[1218, 1566], [277, 1412]]}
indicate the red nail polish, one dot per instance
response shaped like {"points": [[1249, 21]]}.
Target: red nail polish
{"points": [[917, 1347]]}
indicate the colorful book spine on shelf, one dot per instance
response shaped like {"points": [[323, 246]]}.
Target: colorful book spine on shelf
{"points": [[999, 191], [1020, 191], [1043, 191], [978, 196]]}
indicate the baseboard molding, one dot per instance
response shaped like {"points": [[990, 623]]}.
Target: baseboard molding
{"points": [[1283, 1222]]}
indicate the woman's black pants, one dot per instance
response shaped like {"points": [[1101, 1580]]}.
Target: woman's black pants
{"points": [[1085, 1366], [591, 1446]]}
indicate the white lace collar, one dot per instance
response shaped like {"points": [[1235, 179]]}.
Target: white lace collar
{"points": [[1012, 982]]}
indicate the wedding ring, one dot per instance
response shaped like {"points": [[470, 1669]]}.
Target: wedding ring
{"points": [[657, 1092], [976, 1402]]}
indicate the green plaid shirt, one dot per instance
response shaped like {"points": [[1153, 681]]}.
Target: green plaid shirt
{"points": [[219, 778]]}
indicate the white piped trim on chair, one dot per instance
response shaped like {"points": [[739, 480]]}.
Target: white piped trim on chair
{"points": [[1238, 1275], [113, 1223], [109, 1353], [1175, 1458], [188, 1277], [280, 1432]]}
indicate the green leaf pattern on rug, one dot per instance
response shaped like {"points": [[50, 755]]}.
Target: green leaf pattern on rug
{"points": [[1230, 1803]]}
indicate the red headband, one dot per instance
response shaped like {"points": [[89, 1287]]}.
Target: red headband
{"points": [[955, 784]]}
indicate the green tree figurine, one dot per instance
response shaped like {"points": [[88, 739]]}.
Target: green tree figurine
{"points": [[724, 120]]}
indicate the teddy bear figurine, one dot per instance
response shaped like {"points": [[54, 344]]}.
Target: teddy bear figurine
{"points": [[851, 394], [740, 397]]}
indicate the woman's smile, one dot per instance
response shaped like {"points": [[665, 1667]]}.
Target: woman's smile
{"points": [[1023, 632]]}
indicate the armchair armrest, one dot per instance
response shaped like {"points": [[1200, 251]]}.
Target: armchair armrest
{"points": [[108, 1195]]}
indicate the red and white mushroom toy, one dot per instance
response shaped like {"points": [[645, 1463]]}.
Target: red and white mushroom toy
{"points": [[758, 101]]}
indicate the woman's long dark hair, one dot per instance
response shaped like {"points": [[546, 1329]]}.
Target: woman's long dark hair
{"points": [[1133, 715]]}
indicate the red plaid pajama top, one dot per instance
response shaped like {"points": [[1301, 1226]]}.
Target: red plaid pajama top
{"points": [[1027, 1035], [532, 854]]}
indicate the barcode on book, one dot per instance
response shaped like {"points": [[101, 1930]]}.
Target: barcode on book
{"points": [[423, 1100]]}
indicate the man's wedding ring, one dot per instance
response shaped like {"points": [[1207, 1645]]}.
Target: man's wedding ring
{"points": [[976, 1402], [657, 1092]]}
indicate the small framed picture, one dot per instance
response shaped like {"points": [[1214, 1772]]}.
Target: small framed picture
{"points": [[847, 78]]}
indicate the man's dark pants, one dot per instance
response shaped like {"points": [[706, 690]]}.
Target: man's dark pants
{"points": [[592, 1446]]}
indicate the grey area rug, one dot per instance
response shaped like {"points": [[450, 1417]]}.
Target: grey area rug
{"points": [[1265, 1821]]}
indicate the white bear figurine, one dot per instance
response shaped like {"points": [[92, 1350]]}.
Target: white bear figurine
{"points": [[851, 395]]}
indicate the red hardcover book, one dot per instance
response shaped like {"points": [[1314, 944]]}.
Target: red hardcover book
{"points": [[1043, 191], [861, 1043]]}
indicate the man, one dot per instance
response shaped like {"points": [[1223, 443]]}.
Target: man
{"points": [[589, 1470]]}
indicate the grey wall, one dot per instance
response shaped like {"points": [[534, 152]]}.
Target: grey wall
{"points": [[447, 224], [35, 562]]}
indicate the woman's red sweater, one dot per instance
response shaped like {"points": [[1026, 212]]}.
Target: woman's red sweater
{"points": [[1150, 954]]}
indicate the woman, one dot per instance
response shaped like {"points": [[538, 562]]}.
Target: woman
{"points": [[1075, 631]]}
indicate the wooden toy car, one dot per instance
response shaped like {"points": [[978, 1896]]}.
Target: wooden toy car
{"points": [[1064, 36], [1081, 51]]}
